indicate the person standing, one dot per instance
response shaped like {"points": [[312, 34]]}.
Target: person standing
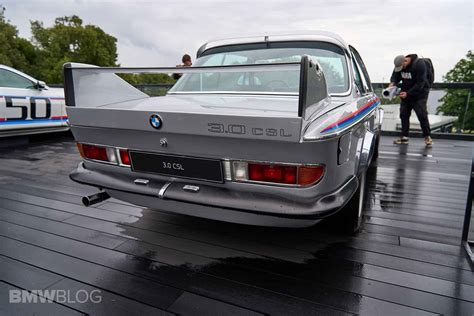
{"points": [[187, 62], [414, 90]]}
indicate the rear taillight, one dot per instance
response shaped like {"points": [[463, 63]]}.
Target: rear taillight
{"points": [[288, 174], [308, 175], [272, 173], [105, 154], [93, 152], [81, 151], [124, 157]]}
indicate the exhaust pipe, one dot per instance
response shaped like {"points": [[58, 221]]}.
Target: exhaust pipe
{"points": [[95, 198]]}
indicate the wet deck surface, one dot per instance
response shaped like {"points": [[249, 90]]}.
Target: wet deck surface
{"points": [[406, 260]]}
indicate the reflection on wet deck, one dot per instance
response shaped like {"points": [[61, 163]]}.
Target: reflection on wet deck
{"points": [[406, 260]]}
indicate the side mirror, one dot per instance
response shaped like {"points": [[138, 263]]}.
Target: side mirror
{"points": [[40, 85]]}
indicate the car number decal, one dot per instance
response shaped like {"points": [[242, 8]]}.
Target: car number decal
{"points": [[35, 109]]}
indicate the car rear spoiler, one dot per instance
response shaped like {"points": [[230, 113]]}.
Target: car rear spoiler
{"points": [[91, 86]]}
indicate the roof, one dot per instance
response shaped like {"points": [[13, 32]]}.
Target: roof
{"points": [[311, 36]]}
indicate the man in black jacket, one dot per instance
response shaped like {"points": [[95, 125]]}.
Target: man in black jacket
{"points": [[414, 94]]}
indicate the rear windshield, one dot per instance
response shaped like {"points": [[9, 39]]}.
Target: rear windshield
{"points": [[330, 57]]}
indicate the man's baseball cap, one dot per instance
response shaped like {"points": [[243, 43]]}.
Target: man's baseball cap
{"points": [[398, 61]]}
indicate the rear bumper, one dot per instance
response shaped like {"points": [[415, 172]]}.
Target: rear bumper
{"points": [[219, 203]]}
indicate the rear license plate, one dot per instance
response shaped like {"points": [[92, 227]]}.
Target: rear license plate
{"points": [[177, 166]]}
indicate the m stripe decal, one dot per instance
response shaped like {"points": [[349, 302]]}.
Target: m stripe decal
{"points": [[353, 116]]}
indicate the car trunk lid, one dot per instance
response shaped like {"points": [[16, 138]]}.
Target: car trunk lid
{"points": [[221, 116]]}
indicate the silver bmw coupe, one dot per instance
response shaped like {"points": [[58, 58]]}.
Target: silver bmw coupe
{"points": [[271, 130]]}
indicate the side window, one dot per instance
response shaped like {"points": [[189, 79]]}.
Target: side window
{"points": [[361, 75], [363, 69], [9, 79], [357, 77]]}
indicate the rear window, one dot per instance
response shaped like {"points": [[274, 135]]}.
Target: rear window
{"points": [[330, 57]]}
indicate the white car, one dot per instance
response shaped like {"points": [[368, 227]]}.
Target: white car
{"points": [[29, 106]]}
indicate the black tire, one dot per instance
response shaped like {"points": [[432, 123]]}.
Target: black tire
{"points": [[350, 217], [375, 155]]}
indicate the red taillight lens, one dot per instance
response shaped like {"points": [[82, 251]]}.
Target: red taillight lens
{"points": [[255, 172], [289, 174], [124, 157], [104, 153], [93, 152], [272, 173], [298, 175], [310, 174], [81, 151]]}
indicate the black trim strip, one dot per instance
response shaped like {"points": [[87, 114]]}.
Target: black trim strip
{"points": [[68, 85], [303, 85]]}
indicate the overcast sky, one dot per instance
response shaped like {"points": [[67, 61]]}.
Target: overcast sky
{"points": [[158, 33]]}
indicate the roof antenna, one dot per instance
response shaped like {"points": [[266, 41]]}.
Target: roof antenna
{"points": [[267, 42]]}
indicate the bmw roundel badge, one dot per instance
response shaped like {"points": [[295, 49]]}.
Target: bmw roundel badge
{"points": [[155, 121]]}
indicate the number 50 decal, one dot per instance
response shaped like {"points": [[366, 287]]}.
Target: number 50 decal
{"points": [[24, 108]]}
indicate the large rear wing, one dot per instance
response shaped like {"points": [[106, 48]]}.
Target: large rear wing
{"points": [[92, 86]]}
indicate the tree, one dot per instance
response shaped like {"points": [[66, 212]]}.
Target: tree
{"points": [[68, 40], [147, 78], [454, 102], [15, 51]]}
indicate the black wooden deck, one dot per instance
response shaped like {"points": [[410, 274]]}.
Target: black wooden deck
{"points": [[407, 260]]}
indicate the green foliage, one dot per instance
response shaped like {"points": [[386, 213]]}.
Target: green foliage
{"points": [[395, 100], [330, 73], [454, 102], [147, 78], [68, 40], [15, 52]]}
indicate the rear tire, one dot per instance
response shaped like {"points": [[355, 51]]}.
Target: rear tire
{"points": [[349, 218], [375, 155]]}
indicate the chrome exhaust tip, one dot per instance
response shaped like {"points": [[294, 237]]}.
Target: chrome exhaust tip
{"points": [[95, 198]]}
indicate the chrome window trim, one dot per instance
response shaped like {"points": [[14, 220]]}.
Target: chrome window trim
{"points": [[324, 37], [315, 37]]}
